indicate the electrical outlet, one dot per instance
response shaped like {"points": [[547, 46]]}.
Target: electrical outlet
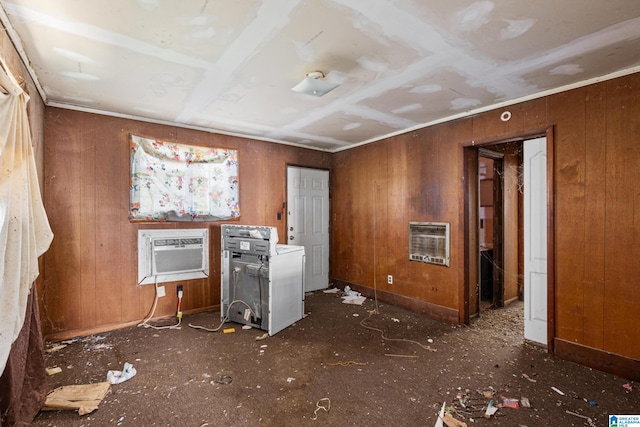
{"points": [[161, 292], [390, 279], [178, 289]]}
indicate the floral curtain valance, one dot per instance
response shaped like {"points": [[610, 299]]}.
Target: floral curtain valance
{"points": [[179, 182]]}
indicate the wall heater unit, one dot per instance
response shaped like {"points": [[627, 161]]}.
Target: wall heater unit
{"points": [[429, 242], [172, 255]]}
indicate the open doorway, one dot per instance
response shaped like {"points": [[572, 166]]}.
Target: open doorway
{"points": [[496, 240], [500, 219], [490, 229], [499, 225]]}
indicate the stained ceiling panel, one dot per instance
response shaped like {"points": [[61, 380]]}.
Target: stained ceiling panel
{"points": [[401, 64]]}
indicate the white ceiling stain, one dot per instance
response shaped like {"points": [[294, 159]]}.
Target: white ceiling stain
{"points": [[372, 65], [148, 4], [145, 110], [350, 126], [73, 56], [304, 51], [228, 67], [269, 20], [202, 34], [567, 69], [464, 103], [77, 99], [473, 17], [516, 28], [406, 108], [79, 75], [426, 89], [200, 20]]}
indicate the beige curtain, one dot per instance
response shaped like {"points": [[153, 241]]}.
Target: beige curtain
{"points": [[25, 233]]}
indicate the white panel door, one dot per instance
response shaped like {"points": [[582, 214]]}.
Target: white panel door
{"points": [[308, 221], [535, 240]]}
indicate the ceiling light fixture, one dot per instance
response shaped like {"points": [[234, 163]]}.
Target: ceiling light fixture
{"points": [[313, 84]]}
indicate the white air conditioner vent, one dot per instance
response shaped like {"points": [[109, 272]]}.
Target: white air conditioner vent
{"points": [[171, 255], [429, 242]]}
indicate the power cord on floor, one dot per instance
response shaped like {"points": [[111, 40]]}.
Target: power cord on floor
{"points": [[236, 271], [224, 320], [371, 313], [153, 310]]}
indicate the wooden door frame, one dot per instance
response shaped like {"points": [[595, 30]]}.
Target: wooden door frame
{"points": [[471, 222]]}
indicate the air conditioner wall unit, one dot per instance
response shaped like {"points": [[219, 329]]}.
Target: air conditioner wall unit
{"points": [[172, 255]]}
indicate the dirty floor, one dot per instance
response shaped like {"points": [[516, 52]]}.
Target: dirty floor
{"points": [[339, 366]]}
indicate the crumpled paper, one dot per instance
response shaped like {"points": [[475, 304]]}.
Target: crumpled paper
{"points": [[117, 377]]}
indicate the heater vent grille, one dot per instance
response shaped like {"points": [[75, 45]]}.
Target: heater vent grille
{"points": [[429, 242]]}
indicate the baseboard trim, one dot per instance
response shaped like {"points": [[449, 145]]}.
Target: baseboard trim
{"points": [[434, 311], [510, 301], [601, 360], [66, 335]]}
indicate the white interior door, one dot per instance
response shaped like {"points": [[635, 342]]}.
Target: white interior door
{"points": [[535, 240], [308, 221]]}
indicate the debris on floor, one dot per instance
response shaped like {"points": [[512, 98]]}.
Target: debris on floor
{"points": [[85, 397], [54, 370], [352, 297], [117, 377], [320, 404], [491, 410], [331, 354], [439, 421], [588, 419], [482, 403], [55, 348], [451, 421]]}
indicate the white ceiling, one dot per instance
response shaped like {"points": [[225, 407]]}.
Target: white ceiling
{"points": [[228, 65]]}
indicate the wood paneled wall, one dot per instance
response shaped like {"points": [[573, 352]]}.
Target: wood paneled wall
{"points": [[378, 188], [91, 268]]}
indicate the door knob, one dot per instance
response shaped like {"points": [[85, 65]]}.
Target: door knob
{"points": [[290, 237]]}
